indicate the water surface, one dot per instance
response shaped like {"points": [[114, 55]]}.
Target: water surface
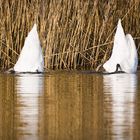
{"points": [[69, 106]]}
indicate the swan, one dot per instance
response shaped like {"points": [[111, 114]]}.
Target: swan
{"points": [[31, 56], [124, 55]]}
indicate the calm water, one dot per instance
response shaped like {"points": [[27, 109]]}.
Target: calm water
{"points": [[69, 106]]}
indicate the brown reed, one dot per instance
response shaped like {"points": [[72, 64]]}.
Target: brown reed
{"points": [[74, 34]]}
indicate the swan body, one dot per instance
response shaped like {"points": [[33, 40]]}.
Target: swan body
{"points": [[31, 56], [124, 53]]}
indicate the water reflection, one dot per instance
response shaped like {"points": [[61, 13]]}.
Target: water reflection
{"points": [[120, 93], [29, 88], [72, 106], [6, 107], [69, 106]]}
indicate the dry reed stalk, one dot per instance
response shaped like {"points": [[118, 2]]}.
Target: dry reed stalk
{"points": [[74, 34]]}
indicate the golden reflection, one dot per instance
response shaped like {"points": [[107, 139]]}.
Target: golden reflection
{"points": [[136, 131], [120, 92], [61, 106], [6, 107], [72, 106], [69, 106]]}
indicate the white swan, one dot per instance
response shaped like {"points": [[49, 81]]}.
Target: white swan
{"points": [[124, 53], [31, 57]]}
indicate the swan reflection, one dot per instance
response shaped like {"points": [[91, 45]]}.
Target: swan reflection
{"points": [[29, 89], [120, 90]]}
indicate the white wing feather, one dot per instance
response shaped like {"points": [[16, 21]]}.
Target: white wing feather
{"points": [[124, 52], [31, 57]]}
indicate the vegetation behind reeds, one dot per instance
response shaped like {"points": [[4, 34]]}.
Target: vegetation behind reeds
{"points": [[74, 34]]}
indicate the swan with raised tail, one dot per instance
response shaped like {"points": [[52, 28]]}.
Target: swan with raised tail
{"points": [[124, 55], [31, 56]]}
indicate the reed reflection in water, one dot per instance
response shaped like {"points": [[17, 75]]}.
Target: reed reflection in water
{"points": [[67, 109], [6, 107], [120, 94], [69, 106], [72, 106]]}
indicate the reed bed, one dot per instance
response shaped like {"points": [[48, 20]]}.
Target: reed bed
{"points": [[74, 34]]}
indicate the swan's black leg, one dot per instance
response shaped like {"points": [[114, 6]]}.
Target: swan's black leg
{"points": [[118, 67], [118, 70], [38, 72]]}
